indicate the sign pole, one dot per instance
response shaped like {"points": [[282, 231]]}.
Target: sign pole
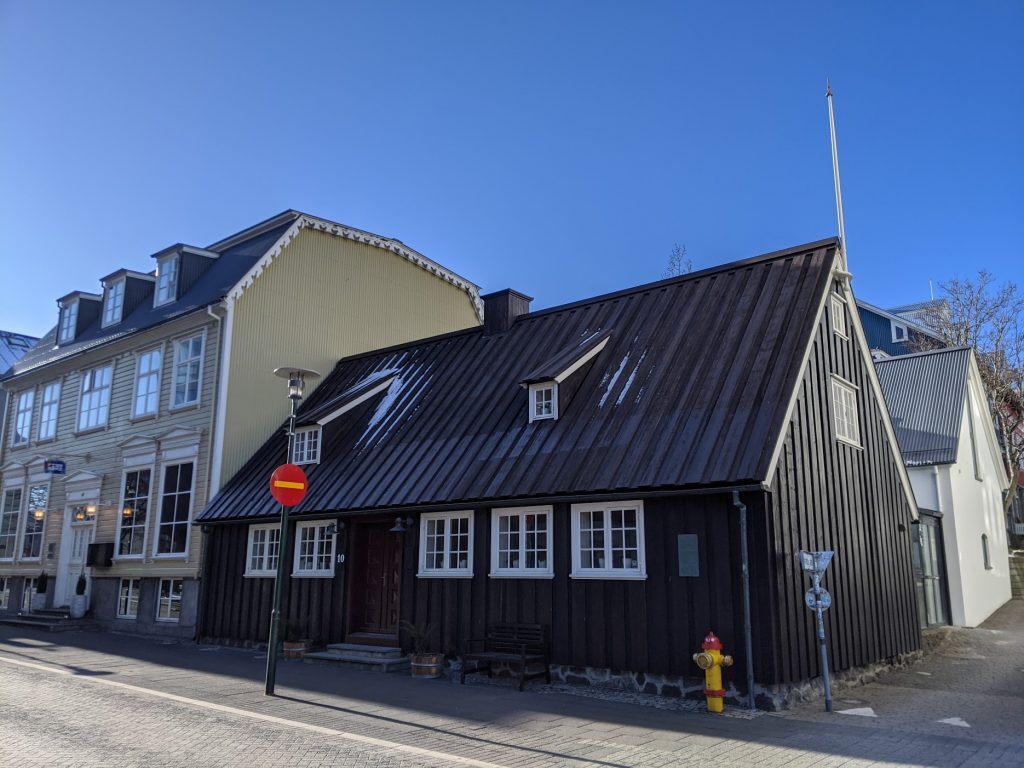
{"points": [[275, 613], [821, 643], [819, 600]]}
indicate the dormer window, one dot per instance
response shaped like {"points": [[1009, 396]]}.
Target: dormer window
{"points": [[543, 401], [899, 331], [166, 280], [68, 322], [306, 446], [113, 303]]}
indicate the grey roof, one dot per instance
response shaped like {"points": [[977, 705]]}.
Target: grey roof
{"points": [[925, 394], [691, 390], [12, 347]]}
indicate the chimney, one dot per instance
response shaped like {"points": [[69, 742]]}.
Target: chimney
{"points": [[501, 308]]}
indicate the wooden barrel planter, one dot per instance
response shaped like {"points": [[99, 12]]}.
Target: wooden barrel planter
{"points": [[295, 649], [427, 665]]}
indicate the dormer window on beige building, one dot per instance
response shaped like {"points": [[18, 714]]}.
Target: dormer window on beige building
{"points": [[166, 280], [68, 321], [113, 302]]}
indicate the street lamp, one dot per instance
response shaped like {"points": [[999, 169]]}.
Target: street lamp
{"points": [[296, 382]]}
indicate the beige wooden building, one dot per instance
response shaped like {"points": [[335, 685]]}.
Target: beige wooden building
{"points": [[152, 393]]}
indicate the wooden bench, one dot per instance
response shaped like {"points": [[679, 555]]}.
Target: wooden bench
{"points": [[517, 645]]}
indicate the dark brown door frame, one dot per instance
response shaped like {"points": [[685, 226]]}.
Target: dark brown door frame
{"points": [[356, 562]]}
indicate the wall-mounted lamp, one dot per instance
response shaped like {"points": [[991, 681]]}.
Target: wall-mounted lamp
{"points": [[127, 512], [401, 526], [334, 528], [38, 514]]}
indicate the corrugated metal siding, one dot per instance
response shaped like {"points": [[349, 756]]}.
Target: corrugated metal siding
{"points": [[691, 389], [925, 395], [878, 330], [324, 298]]}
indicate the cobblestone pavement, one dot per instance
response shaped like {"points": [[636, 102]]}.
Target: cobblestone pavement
{"points": [[93, 699]]}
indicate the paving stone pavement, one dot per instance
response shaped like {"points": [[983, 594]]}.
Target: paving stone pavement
{"points": [[84, 699]]}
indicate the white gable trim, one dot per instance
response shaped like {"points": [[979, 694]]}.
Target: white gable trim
{"points": [[376, 241], [976, 383], [857, 330], [582, 361], [374, 390]]}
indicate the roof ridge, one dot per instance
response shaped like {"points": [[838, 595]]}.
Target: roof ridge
{"points": [[924, 353]]}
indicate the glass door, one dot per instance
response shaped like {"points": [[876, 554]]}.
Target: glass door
{"points": [[929, 572]]}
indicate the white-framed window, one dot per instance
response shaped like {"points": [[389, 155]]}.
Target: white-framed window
{"points": [[113, 303], [49, 409], [10, 515], [543, 401], [608, 540], [5, 592], [168, 604], [175, 509], [128, 599], [446, 544], [314, 548], [94, 403], [35, 522], [134, 517], [899, 331], [166, 281], [264, 549], [844, 409], [521, 542], [188, 371], [147, 383], [23, 417], [306, 446], [68, 322], [838, 307]]}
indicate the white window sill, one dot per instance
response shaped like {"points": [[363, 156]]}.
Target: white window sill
{"points": [[259, 575], [521, 574], [617, 575], [171, 556], [168, 621], [45, 440], [128, 558], [841, 335], [132, 618], [184, 407], [143, 417], [849, 442], [439, 574], [89, 430], [312, 574], [21, 446]]}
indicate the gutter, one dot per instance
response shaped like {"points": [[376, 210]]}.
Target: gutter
{"points": [[748, 641]]}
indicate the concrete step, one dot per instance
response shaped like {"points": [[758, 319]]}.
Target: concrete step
{"points": [[46, 623], [372, 664], [366, 651]]}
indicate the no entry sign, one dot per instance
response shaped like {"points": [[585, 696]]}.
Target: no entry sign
{"points": [[288, 484]]}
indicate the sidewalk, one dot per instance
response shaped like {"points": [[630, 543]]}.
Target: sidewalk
{"points": [[491, 724]]}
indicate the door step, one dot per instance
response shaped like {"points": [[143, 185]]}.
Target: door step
{"points": [[50, 621], [355, 656]]}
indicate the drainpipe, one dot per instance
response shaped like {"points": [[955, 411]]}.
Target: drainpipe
{"points": [[748, 641]]}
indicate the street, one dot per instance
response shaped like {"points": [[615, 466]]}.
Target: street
{"points": [[91, 699]]}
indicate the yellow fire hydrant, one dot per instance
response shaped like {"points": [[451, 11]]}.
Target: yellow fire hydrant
{"points": [[711, 661]]}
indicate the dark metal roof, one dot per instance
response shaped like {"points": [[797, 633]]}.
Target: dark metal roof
{"points": [[925, 395], [565, 359], [12, 347], [214, 284], [691, 390]]}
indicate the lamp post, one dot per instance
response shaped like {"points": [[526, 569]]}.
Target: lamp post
{"points": [[296, 382]]}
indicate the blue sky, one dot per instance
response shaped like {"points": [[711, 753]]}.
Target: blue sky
{"points": [[559, 148]]}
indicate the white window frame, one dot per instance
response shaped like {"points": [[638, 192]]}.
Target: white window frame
{"points": [[635, 572], [901, 326], [49, 410], [132, 598], [113, 303], [521, 571], [306, 446], [320, 536], [68, 322], [273, 537], [144, 525], [169, 601], [547, 387], [844, 397], [167, 274], [12, 517], [837, 307], [460, 572], [158, 513], [87, 390], [152, 376], [29, 514], [5, 592], [23, 407], [177, 363]]}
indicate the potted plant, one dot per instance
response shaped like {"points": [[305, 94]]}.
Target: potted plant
{"points": [[296, 639], [425, 661], [39, 598], [79, 601]]}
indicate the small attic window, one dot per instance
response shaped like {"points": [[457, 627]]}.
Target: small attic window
{"points": [[113, 303], [166, 280], [839, 316], [543, 401], [899, 331], [68, 322]]}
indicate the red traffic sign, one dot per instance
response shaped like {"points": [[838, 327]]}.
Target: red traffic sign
{"points": [[288, 484]]}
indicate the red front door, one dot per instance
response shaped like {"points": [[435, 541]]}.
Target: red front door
{"points": [[375, 569]]}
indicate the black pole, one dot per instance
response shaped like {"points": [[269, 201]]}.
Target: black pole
{"points": [[748, 642], [275, 614]]}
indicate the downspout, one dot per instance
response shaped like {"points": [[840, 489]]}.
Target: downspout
{"points": [[748, 641]]}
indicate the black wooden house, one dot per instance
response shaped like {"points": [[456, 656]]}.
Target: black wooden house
{"points": [[576, 467]]}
